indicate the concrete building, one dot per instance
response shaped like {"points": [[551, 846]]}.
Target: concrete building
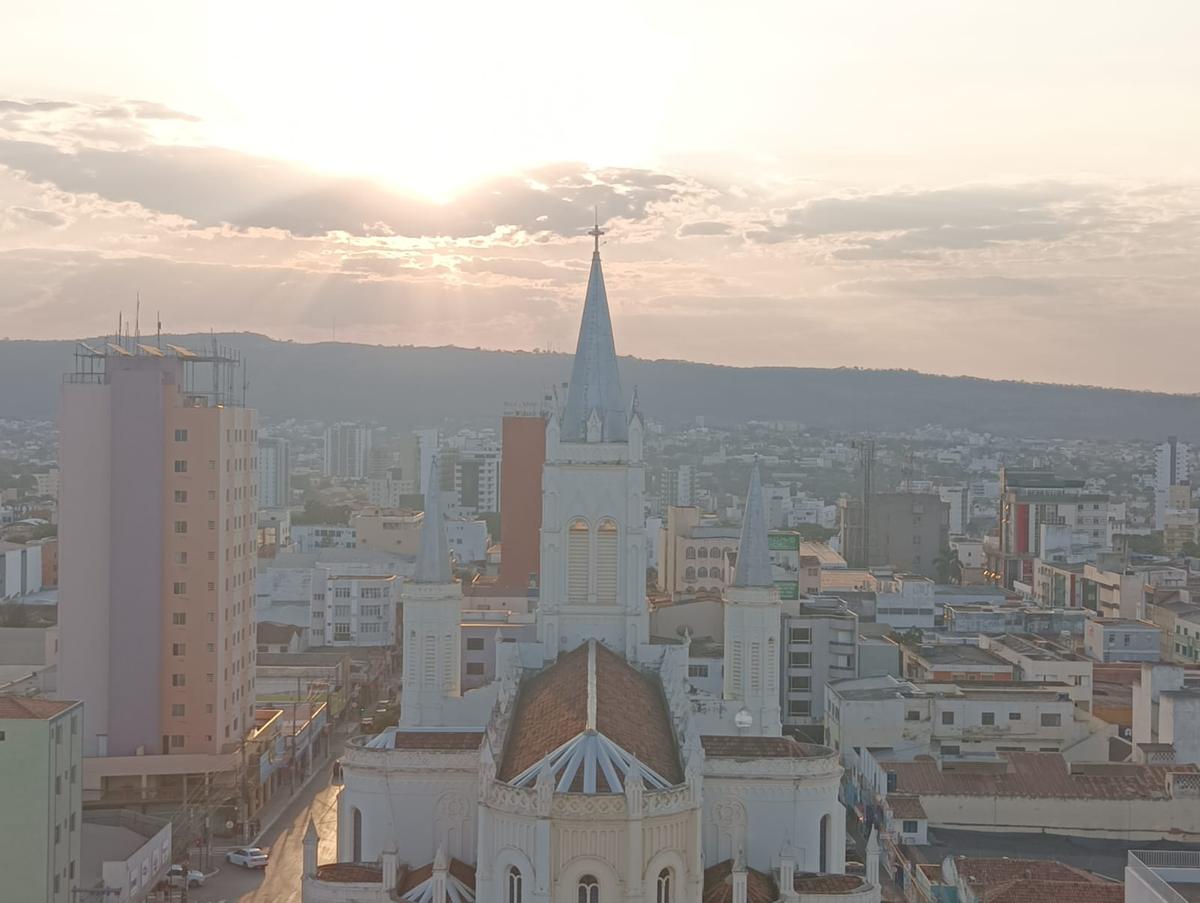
{"points": [[909, 604], [1162, 876], [1179, 630], [390, 488], [953, 661], [959, 499], [159, 486], [1172, 467], [468, 540], [1030, 499], [396, 531], [476, 475], [820, 643], [1166, 715], [274, 472], [693, 557], [315, 537], [523, 451], [347, 451], [40, 821], [966, 720], [1121, 640], [20, 569], [973, 619], [907, 531], [29, 659], [359, 609], [1035, 658]]}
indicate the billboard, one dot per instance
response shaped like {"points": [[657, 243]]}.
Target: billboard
{"points": [[783, 542]]}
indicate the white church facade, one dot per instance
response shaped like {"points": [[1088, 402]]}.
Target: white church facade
{"points": [[590, 771]]}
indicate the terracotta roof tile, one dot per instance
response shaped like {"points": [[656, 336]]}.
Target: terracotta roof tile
{"points": [[718, 885], [984, 872], [271, 633], [31, 708], [828, 884], [1035, 775], [1025, 890], [460, 740], [350, 872], [410, 878], [904, 805], [721, 747], [630, 711]]}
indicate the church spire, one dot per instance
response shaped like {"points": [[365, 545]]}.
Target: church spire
{"points": [[595, 384], [433, 562], [753, 560]]}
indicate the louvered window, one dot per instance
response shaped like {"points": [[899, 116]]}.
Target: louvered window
{"points": [[577, 563], [606, 563]]}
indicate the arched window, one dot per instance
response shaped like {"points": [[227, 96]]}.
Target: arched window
{"points": [[689, 574], [663, 894], [578, 555], [714, 572], [589, 889], [690, 553], [702, 552], [356, 840], [826, 828], [514, 885], [606, 563], [703, 572]]}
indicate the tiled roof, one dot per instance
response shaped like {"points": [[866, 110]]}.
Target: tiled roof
{"points": [[462, 740], [905, 805], [270, 633], [828, 884], [350, 872], [1032, 891], [31, 708], [985, 872], [718, 885], [411, 878], [1035, 775], [552, 708], [720, 747]]}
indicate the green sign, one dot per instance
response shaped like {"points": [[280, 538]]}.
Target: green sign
{"points": [[784, 542], [788, 589]]}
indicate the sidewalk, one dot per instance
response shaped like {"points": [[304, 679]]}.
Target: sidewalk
{"points": [[270, 814]]}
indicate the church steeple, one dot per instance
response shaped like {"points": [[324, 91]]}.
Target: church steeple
{"points": [[595, 384], [433, 562], [753, 559]]}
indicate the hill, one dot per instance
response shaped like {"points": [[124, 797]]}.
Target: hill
{"points": [[405, 387]]}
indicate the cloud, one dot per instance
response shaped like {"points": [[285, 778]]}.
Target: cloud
{"points": [[42, 217], [703, 227]]}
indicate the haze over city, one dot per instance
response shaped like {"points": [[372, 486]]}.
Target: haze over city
{"points": [[800, 184]]}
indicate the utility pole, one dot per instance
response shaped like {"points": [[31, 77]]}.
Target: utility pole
{"points": [[295, 703]]}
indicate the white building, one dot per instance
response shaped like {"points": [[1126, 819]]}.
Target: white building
{"points": [[359, 609], [959, 500], [912, 602], [20, 569], [314, 537], [274, 472], [468, 540], [1121, 640], [347, 451], [1172, 467], [588, 770]]}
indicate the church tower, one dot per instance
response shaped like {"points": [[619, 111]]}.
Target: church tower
{"points": [[432, 615], [593, 537], [753, 619]]}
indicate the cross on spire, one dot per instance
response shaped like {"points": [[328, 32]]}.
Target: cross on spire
{"points": [[596, 231]]}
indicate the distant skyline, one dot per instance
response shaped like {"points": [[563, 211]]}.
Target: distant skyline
{"points": [[1005, 191]]}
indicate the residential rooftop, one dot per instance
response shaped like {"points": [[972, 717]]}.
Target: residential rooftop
{"points": [[31, 708]]}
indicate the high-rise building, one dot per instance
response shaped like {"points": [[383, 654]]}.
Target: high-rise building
{"points": [[1172, 467], [907, 531], [158, 524], [523, 451], [959, 499], [41, 819], [476, 477], [347, 451], [274, 472]]}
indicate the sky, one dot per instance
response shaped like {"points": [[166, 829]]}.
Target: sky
{"points": [[1000, 190]]}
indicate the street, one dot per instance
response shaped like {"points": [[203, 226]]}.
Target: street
{"points": [[280, 882]]}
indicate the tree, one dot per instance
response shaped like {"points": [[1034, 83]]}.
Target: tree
{"points": [[948, 567]]}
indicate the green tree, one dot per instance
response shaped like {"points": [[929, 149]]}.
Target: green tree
{"points": [[948, 567]]}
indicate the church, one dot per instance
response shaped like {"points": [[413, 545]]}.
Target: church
{"points": [[589, 770]]}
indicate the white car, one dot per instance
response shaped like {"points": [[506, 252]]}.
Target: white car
{"points": [[248, 857], [175, 877]]}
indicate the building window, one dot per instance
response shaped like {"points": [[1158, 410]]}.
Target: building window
{"points": [[800, 659], [514, 885], [578, 556], [689, 574], [180, 465], [950, 750], [179, 588], [475, 643], [799, 684], [178, 680], [912, 715], [178, 618], [1051, 719], [800, 635], [589, 889], [690, 553], [180, 526], [909, 826], [177, 710], [176, 740], [181, 495], [474, 667], [179, 648], [181, 435], [663, 894], [799, 708], [1014, 716], [702, 573], [947, 717], [988, 718], [697, 670]]}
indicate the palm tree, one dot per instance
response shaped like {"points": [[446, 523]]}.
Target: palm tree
{"points": [[948, 567]]}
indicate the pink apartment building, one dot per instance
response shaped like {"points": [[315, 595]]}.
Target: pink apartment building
{"points": [[158, 513]]}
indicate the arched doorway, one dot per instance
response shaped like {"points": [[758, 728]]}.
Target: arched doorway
{"points": [[356, 821], [825, 828]]}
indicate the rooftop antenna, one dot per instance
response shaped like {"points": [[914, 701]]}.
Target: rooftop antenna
{"points": [[158, 328], [137, 319]]}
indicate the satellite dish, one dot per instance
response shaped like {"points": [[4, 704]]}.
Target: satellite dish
{"points": [[743, 719]]}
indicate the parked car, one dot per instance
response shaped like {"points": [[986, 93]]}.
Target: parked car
{"points": [[248, 857], [175, 877]]}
